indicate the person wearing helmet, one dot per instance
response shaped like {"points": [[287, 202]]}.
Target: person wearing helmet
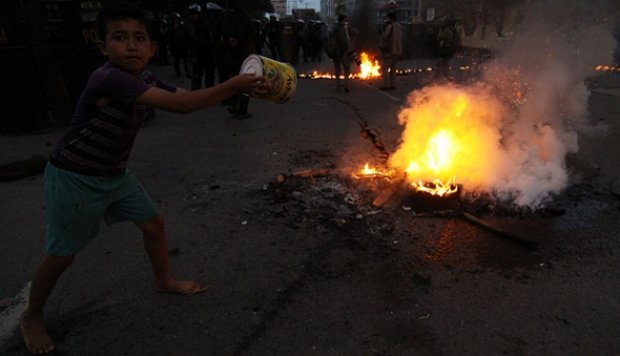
{"points": [[201, 47], [271, 31], [178, 44], [162, 33], [339, 44], [300, 35], [194, 9], [238, 44], [448, 44], [391, 51]]}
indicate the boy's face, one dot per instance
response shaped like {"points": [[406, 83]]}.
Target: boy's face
{"points": [[128, 45]]}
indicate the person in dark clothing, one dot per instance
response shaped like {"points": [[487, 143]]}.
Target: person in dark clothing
{"points": [[162, 37], [200, 48], [314, 40], [301, 35], [215, 18], [238, 42], [448, 44], [271, 31], [259, 36], [179, 45], [342, 59]]}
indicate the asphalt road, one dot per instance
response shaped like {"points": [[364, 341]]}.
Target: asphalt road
{"points": [[298, 269]]}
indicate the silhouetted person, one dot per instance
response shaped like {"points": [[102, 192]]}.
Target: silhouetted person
{"points": [[271, 31], [179, 45], [392, 38], [200, 48], [341, 57], [238, 43]]}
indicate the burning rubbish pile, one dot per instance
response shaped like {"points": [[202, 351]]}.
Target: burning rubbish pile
{"points": [[498, 145], [507, 136]]}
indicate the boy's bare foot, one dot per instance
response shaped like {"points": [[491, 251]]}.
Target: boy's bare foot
{"points": [[181, 287], [35, 336]]}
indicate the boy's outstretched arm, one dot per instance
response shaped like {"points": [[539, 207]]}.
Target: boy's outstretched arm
{"points": [[184, 101]]}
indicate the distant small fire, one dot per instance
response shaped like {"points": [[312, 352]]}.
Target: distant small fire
{"points": [[607, 68], [369, 68]]}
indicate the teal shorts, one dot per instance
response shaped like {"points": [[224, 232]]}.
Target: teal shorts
{"points": [[75, 205]]}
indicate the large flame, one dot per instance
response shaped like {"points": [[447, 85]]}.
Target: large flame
{"points": [[450, 135]]}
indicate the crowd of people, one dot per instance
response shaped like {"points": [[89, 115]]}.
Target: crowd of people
{"points": [[200, 30], [209, 45], [341, 47]]}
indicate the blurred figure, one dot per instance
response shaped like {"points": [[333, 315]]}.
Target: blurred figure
{"points": [[391, 51], [179, 45], [158, 29], [300, 36], [163, 29], [314, 40], [259, 37], [271, 32], [341, 53], [200, 48], [448, 44], [238, 43], [216, 18]]}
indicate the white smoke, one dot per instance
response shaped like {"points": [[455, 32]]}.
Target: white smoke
{"points": [[552, 53]]}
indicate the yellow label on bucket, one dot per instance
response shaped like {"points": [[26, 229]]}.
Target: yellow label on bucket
{"points": [[281, 77]]}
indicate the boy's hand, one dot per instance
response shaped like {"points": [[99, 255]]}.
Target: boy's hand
{"points": [[251, 83]]}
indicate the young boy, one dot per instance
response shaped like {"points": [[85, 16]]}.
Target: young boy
{"points": [[86, 179]]}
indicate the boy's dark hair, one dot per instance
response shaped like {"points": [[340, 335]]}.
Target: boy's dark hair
{"points": [[342, 18], [115, 11], [392, 16]]}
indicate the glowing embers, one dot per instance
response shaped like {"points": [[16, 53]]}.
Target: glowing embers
{"points": [[607, 68]]}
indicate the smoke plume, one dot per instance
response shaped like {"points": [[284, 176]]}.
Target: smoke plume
{"points": [[364, 28], [536, 88]]}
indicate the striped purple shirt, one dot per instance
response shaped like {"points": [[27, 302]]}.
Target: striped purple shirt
{"points": [[105, 122]]}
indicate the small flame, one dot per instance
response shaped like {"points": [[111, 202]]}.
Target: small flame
{"points": [[371, 172], [367, 170], [607, 68]]}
